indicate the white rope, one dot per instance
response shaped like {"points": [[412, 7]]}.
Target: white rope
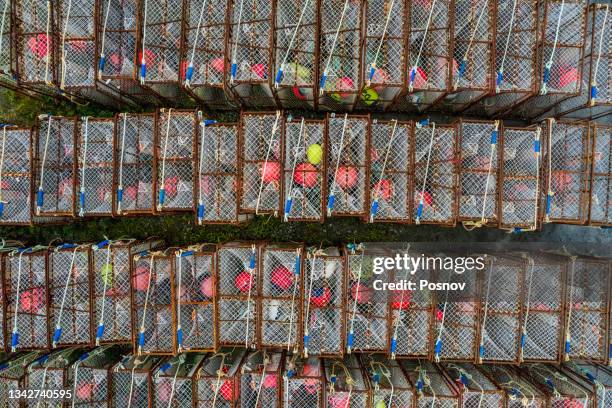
{"points": [[380, 44], [48, 41], [4, 13], [279, 74], [84, 167], [333, 47], [146, 303], [596, 70], [179, 293], [294, 165], [143, 62], [174, 382], [422, 195], [58, 324], [332, 190], [527, 307], [39, 198], [201, 171], [568, 334], [464, 374], [537, 186], [261, 380], [67, 19], [298, 252], [481, 349], [399, 318], [500, 72], [162, 188], [189, 72], [374, 208], [307, 317], [462, 67], [43, 384], [14, 340], [491, 153], [548, 66], [550, 193], [416, 63], [234, 66], [2, 159], [251, 284], [354, 308], [103, 40], [270, 142], [136, 362], [105, 278], [219, 375], [438, 345], [121, 156]]}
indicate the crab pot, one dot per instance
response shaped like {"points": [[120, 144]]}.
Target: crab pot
{"points": [[153, 300], [455, 336], [560, 390], [160, 46], [260, 379], [205, 28], [95, 166], [514, 57], [135, 164], [218, 177], [595, 98], [345, 383], [26, 299], [175, 381], [566, 172], [90, 376], [518, 390], [479, 164], [305, 158], [70, 294], [601, 176], [175, 159], [428, 55], [194, 280], [595, 378], [111, 274], [475, 388], [503, 287], [295, 59], [559, 55], [281, 296], [51, 372], [390, 385], [55, 164], [324, 306], [219, 379], [520, 178], [237, 293], [588, 295], [248, 53], [543, 309], [261, 150], [391, 171], [432, 386], [347, 165], [303, 383], [435, 179], [12, 375], [367, 309], [132, 381]]}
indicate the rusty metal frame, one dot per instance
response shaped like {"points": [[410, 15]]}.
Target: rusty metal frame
{"points": [[14, 373], [595, 378], [303, 382], [346, 382], [219, 378], [388, 382], [516, 387], [475, 387], [51, 372], [560, 390], [175, 381], [437, 390], [600, 210], [133, 366], [259, 369]]}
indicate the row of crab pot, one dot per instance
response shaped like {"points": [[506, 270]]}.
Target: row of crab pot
{"points": [[313, 302], [108, 377], [477, 55], [473, 172]]}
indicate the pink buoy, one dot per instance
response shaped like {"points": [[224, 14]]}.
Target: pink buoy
{"points": [[282, 278], [420, 78], [338, 401], [384, 189], [244, 281], [320, 297], [130, 192], [164, 389], [561, 181], [270, 381], [567, 76], [345, 86], [400, 299], [259, 70], [150, 57], [297, 92], [361, 293], [141, 278], [32, 300], [218, 64], [427, 199], [305, 175], [207, 287], [270, 172], [170, 186], [85, 390], [38, 45], [346, 177], [225, 389]]}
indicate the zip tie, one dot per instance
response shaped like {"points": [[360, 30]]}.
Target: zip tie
{"points": [[421, 204], [189, 73], [548, 66], [84, 167], [331, 52], [279, 73], [374, 207], [331, 199], [289, 201]]}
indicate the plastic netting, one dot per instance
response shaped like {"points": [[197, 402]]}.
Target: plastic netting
{"points": [[347, 165], [340, 53], [134, 170], [601, 177], [432, 387], [175, 381], [435, 174], [55, 166], [153, 299], [305, 158], [303, 383], [345, 383], [281, 297], [520, 181], [478, 196], [261, 150], [391, 171], [175, 160], [390, 385], [238, 291], [260, 381], [132, 381], [95, 166], [70, 295], [218, 379], [519, 392], [217, 189], [25, 291], [476, 389], [324, 304]]}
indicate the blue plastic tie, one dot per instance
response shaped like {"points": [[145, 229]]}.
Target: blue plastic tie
{"points": [[40, 198], [393, 345], [67, 246], [423, 123], [165, 367], [419, 385], [83, 356], [82, 199], [412, 75], [372, 72], [120, 195], [179, 337], [568, 347], [201, 211], [463, 379], [350, 339], [523, 340], [57, 334], [306, 340], [279, 75], [143, 71], [548, 203], [536, 146], [1, 208], [102, 63], [296, 267], [100, 331], [462, 68], [593, 92], [288, 204], [330, 202], [590, 376], [376, 377], [187, 253], [141, 339], [252, 261], [208, 122], [420, 210], [14, 339], [102, 244], [162, 196], [494, 137], [500, 78], [546, 75], [323, 81], [234, 69], [481, 351], [438, 347], [374, 209], [189, 73]]}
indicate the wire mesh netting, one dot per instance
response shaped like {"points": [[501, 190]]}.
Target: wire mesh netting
{"points": [[12, 377], [475, 387], [305, 158], [520, 180], [391, 171], [432, 387], [478, 195], [70, 294], [260, 379], [153, 298], [55, 165], [194, 277], [132, 381], [340, 53], [565, 160], [95, 166], [435, 174], [601, 176], [519, 392], [561, 389], [324, 304], [25, 297], [345, 383], [217, 189], [6, 39], [303, 383], [135, 165], [261, 151], [389, 384], [597, 379], [347, 165], [51, 372], [175, 155], [218, 379], [238, 291], [296, 43], [281, 296], [175, 381]]}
